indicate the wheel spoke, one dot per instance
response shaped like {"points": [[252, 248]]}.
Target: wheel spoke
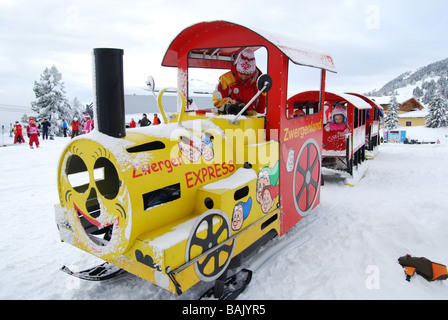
{"points": [[306, 186], [300, 192], [315, 163], [203, 243], [301, 170], [308, 156], [221, 229]]}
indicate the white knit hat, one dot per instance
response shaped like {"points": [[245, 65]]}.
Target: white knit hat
{"points": [[246, 62], [340, 110]]}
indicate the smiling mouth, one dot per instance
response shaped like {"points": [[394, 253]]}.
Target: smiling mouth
{"points": [[100, 234]]}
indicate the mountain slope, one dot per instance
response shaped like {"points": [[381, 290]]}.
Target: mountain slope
{"points": [[422, 83]]}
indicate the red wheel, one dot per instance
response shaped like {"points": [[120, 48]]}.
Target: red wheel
{"points": [[307, 177]]}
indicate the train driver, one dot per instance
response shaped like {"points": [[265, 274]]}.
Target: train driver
{"points": [[238, 86]]}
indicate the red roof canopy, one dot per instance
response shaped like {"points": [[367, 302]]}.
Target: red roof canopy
{"points": [[216, 44]]}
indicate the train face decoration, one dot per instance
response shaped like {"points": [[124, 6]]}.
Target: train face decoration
{"points": [[191, 199]]}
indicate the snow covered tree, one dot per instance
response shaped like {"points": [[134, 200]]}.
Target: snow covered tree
{"points": [[418, 92], [430, 90], [51, 102], [77, 110], [443, 87], [437, 113], [24, 118], [391, 121]]}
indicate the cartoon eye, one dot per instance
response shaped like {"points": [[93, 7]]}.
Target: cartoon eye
{"points": [[77, 174], [106, 178]]}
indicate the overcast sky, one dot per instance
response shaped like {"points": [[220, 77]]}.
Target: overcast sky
{"points": [[371, 41]]}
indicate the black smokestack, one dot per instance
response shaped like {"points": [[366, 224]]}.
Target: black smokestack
{"points": [[109, 89]]}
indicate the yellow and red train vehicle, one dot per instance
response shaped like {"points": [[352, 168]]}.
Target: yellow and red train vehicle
{"points": [[191, 199]]}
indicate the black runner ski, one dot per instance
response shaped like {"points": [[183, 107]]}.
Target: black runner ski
{"points": [[102, 272]]}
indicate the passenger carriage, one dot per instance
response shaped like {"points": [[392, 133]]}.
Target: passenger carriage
{"points": [[372, 125], [343, 147]]}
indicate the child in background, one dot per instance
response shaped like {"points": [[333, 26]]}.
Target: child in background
{"points": [[18, 137], [33, 131], [75, 127], [87, 127]]}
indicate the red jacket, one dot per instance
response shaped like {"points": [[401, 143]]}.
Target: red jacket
{"points": [[75, 125], [231, 89], [18, 128]]}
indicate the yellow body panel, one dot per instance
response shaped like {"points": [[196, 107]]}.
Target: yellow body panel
{"points": [[175, 199]]}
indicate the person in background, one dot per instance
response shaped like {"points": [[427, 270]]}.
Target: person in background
{"points": [[64, 127], [87, 126], [238, 86], [144, 122], [156, 120], [18, 137], [45, 126], [75, 127], [33, 132], [132, 124], [191, 105]]}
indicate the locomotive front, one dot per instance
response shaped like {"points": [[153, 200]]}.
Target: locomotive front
{"points": [[155, 201], [111, 191]]}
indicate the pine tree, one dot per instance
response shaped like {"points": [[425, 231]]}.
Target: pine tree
{"points": [[51, 102], [391, 121], [77, 110], [437, 113]]}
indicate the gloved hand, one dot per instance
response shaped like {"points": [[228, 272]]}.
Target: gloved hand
{"points": [[234, 108]]}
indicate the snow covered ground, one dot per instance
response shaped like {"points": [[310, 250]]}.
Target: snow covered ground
{"points": [[346, 249]]}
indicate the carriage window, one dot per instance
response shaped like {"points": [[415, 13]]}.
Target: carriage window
{"points": [[356, 115], [302, 79], [302, 109]]}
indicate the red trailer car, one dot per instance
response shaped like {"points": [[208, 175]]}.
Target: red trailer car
{"points": [[343, 145], [372, 124]]}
